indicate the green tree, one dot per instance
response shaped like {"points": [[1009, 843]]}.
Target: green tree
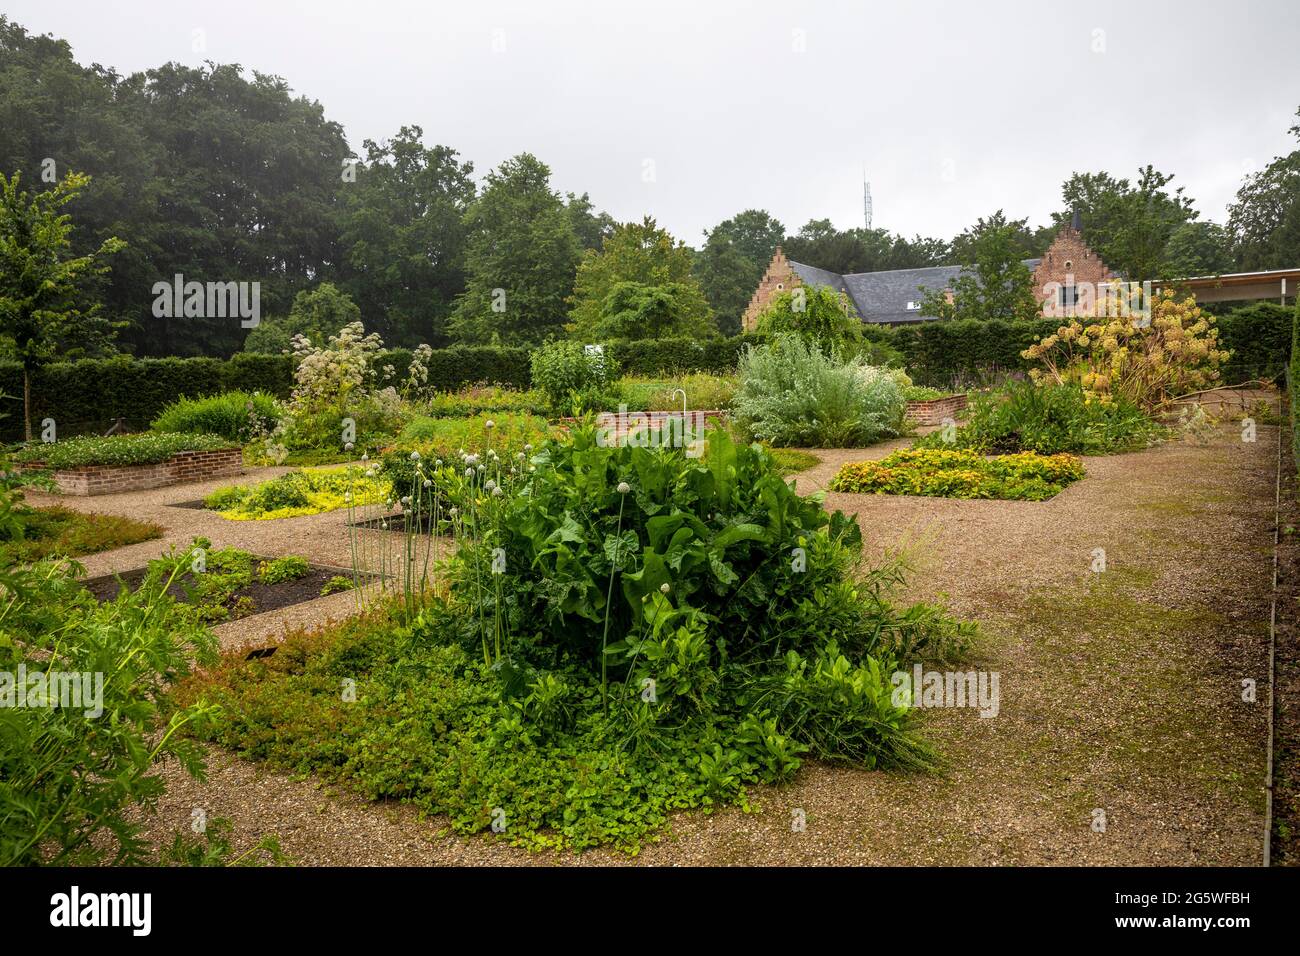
{"points": [[1129, 225], [590, 228], [820, 244], [40, 308], [317, 313], [206, 171], [735, 256], [1199, 249], [819, 315], [404, 235], [639, 253], [1265, 219], [634, 310], [994, 282], [521, 258]]}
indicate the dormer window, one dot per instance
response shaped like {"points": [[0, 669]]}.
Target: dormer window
{"points": [[913, 306]]}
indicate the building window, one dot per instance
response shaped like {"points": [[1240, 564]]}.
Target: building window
{"points": [[913, 306], [780, 286], [1069, 264], [1067, 296]]}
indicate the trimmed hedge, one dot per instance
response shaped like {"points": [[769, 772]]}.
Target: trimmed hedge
{"points": [[1260, 338], [679, 356]]}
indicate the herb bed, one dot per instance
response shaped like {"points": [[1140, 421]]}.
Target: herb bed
{"points": [[246, 600]]}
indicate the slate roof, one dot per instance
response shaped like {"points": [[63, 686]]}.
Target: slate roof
{"points": [[882, 297]]}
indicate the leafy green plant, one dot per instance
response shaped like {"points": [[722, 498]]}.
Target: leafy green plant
{"points": [[793, 393], [336, 584], [237, 416], [140, 449], [569, 374], [73, 779], [278, 570], [1049, 419]]}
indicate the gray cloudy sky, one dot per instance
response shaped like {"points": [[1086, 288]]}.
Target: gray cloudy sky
{"points": [[955, 109]]}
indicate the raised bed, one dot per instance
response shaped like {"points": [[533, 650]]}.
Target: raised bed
{"points": [[934, 411], [180, 467]]}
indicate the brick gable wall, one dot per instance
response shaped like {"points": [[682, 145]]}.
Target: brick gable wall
{"points": [[1069, 260], [779, 277]]}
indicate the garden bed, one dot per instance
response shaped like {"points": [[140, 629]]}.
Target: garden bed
{"points": [[939, 473], [253, 597], [183, 466]]}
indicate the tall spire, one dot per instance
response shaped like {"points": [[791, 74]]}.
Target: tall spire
{"points": [[866, 199]]}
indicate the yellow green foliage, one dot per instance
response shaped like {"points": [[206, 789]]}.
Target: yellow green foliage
{"points": [[959, 473], [1148, 362], [298, 493]]}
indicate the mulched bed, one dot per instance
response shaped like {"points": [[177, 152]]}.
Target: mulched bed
{"points": [[265, 597], [196, 505]]}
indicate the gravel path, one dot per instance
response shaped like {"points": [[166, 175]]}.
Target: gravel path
{"points": [[1120, 690]]}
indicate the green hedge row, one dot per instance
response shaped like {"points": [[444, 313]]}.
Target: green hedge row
{"points": [[87, 396]]}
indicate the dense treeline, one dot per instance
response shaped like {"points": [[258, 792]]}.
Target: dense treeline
{"points": [[219, 174]]}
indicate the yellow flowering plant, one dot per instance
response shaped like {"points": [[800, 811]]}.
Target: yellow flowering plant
{"points": [[1147, 360]]}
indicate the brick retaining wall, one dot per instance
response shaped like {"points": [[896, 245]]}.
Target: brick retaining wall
{"points": [[935, 411], [183, 466]]}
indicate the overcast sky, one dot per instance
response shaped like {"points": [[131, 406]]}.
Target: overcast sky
{"points": [[693, 111]]}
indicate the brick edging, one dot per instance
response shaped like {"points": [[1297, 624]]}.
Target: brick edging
{"points": [[88, 480]]}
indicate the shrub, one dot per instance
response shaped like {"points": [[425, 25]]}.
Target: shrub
{"points": [[1175, 353], [141, 449], [1049, 419], [238, 416], [570, 375], [819, 315], [793, 393], [298, 493], [945, 473], [1258, 337], [656, 357]]}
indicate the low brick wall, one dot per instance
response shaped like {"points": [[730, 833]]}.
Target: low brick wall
{"points": [[183, 466], [935, 411]]}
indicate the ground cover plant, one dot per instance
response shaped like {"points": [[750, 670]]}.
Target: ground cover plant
{"points": [[1049, 419], [794, 393], [623, 632], [56, 531], [221, 584], [144, 448], [923, 393], [239, 416], [952, 473], [484, 399], [298, 493]]}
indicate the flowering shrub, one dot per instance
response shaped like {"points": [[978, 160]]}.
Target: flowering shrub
{"points": [[335, 382], [1147, 363], [942, 473]]}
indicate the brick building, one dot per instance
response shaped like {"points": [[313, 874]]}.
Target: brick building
{"points": [[894, 297]]}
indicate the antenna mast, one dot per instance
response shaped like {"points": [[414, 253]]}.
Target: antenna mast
{"points": [[866, 199]]}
